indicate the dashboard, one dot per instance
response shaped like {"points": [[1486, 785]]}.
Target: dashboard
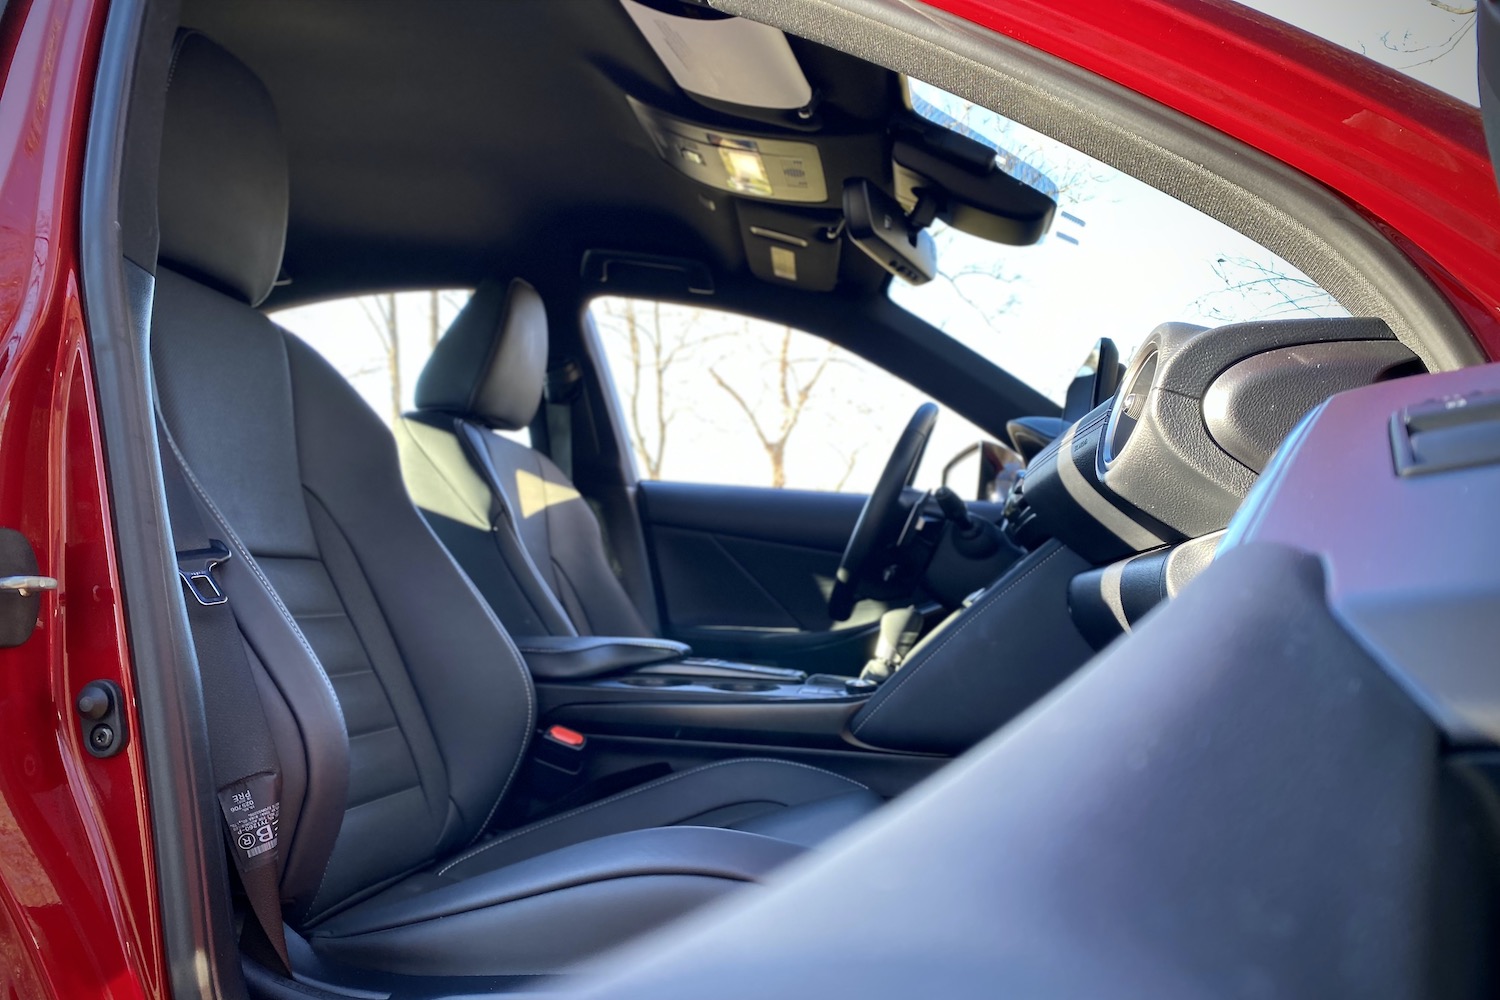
{"points": [[1143, 484]]}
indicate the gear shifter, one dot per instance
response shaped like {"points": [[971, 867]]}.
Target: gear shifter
{"points": [[899, 629]]}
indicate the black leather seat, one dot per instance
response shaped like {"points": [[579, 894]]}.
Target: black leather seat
{"points": [[510, 516], [400, 710]]}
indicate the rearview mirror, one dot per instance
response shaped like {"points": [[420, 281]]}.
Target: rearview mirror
{"points": [[876, 223], [970, 191]]}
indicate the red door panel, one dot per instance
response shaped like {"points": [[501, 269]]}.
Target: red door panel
{"points": [[77, 883]]}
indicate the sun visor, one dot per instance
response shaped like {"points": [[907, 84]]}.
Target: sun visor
{"points": [[724, 58]]}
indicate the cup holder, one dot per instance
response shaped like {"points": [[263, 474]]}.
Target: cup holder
{"points": [[655, 681], [744, 687]]}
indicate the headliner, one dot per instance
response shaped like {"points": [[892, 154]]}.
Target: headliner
{"points": [[437, 143]]}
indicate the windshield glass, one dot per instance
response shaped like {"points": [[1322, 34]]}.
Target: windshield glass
{"points": [[1121, 258]]}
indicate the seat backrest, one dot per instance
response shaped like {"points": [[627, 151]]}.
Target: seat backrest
{"points": [[509, 515], [399, 706]]}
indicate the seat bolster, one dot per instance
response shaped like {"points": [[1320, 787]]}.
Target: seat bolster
{"points": [[707, 852], [813, 822], [546, 913], [730, 793], [315, 746], [536, 936]]}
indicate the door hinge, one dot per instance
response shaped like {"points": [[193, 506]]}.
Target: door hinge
{"points": [[20, 588]]}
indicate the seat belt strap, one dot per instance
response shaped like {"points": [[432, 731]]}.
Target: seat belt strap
{"points": [[563, 389], [246, 770]]}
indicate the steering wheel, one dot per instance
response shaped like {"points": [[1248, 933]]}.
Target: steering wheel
{"points": [[880, 522]]}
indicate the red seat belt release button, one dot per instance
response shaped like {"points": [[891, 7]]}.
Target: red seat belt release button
{"points": [[567, 737]]}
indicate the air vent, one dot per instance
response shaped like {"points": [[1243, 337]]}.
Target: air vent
{"points": [[1130, 406]]}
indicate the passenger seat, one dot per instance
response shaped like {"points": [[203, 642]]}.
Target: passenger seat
{"points": [[398, 707]]}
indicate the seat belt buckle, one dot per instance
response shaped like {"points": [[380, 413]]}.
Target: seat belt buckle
{"points": [[196, 567], [561, 748], [555, 766]]}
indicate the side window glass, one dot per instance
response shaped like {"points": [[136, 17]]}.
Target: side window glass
{"points": [[709, 396], [379, 343]]}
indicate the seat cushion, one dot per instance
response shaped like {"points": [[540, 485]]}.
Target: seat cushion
{"points": [[773, 797], [536, 899]]}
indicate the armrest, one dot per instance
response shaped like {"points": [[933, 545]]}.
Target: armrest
{"points": [[565, 657]]}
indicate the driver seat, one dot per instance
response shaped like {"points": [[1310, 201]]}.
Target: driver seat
{"points": [[510, 516]]}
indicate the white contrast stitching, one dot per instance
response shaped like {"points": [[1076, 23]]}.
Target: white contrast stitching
{"points": [[249, 561], [476, 851], [548, 650], [517, 660]]}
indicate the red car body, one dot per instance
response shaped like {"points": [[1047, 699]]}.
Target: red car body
{"points": [[78, 906]]}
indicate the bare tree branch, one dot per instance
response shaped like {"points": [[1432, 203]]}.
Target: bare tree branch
{"points": [[849, 461], [749, 411]]}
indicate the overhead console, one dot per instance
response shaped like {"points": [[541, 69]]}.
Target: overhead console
{"points": [[807, 167], [1173, 454], [789, 170]]}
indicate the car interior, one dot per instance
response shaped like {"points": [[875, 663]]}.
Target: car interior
{"points": [[501, 705]]}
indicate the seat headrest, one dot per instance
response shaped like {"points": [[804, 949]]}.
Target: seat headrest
{"points": [[492, 362], [222, 195]]}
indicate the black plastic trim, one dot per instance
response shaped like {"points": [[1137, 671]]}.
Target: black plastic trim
{"points": [[1412, 558]]}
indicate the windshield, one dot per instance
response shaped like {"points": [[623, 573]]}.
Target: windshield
{"points": [[1121, 258]]}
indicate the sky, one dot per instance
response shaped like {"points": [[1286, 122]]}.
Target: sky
{"points": [[1122, 258]]}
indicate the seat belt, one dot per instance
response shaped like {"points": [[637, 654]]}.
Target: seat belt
{"points": [[562, 389], [246, 770]]}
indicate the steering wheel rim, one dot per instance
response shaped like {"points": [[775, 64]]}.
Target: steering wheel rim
{"points": [[881, 517]]}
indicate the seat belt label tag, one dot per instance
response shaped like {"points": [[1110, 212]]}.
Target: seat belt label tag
{"points": [[252, 809]]}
